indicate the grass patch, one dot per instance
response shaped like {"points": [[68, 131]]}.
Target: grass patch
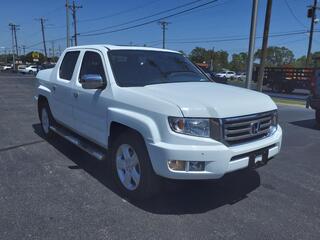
{"points": [[289, 101]]}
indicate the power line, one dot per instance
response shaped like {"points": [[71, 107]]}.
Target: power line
{"points": [[143, 18], [149, 22], [239, 38], [118, 13], [293, 14], [223, 37], [208, 40]]}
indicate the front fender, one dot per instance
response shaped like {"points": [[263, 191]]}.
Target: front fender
{"points": [[143, 124], [44, 91]]}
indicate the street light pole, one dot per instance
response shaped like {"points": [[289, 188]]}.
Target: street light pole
{"points": [[253, 29]]}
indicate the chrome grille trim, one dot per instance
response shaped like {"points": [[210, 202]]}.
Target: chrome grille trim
{"points": [[237, 130]]}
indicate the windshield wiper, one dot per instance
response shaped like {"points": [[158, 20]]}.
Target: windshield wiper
{"points": [[172, 72]]}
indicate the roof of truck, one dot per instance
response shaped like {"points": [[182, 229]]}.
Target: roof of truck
{"points": [[119, 47]]}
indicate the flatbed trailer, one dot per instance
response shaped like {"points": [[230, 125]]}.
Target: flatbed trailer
{"points": [[287, 79]]}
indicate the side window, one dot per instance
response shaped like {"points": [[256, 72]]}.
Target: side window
{"points": [[68, 63], [92, 64]]}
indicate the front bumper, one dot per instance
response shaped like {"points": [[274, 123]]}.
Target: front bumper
{"points": [[218, 159]]}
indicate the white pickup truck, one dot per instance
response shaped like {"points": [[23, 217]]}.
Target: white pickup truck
{"points": [[151, 113]]}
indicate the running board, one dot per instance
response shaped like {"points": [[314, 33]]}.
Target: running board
{"points": [[89, 147]]}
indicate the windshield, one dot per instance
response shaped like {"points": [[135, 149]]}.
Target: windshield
{"points": [[141, 68]]}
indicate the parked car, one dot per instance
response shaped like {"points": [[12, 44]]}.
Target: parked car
{"points": [[22, 68], [31, 69], [241, 76], [226, 74], [314, 99], [154, 113], [7, 67]]}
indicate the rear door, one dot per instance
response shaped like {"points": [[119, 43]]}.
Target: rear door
{"points": [[62, 89], [90, 107]]}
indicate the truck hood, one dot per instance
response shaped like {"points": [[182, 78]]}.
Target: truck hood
{"points": [[207, 99]]}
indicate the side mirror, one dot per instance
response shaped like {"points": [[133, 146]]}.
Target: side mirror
{"points": [[92, 81]]}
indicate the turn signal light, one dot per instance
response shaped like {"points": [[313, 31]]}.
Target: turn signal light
{"points": [[177, 165]]}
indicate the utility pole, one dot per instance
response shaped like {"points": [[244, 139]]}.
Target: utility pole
{"points": [[53, 53], [42, 20], [264, 46], [6, 56], [16, 27], [253, 29], [312, 10], [164, 25], [74, 8], [211, 60], [13, 28], [71, 41], [24, 49], [67, 24]]}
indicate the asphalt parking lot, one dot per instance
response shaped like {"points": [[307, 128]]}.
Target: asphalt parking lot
{"points": [[56, 191]]}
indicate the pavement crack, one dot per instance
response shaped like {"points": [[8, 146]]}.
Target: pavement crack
{"points": [[20, 145]]}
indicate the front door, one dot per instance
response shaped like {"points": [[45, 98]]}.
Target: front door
{"points": [[90, 108]]}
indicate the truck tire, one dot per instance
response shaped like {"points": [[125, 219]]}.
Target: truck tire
{"points": [[289, 89], [131, 167], [318, 116], [46, 119], [277, 87]]}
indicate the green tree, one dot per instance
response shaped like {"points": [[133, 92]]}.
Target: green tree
{"points": [[277, 56], [220, 58], [316, 59], [300, 62], [239, 62], [199, 55]]}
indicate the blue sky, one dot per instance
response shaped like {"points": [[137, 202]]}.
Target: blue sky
{"points": [[201, 27]]}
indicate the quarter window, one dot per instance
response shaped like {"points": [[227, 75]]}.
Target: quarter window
{"points": [[68, 63]]}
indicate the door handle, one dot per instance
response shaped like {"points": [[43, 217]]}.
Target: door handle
{"points": [[54, 88], [75, 94]]}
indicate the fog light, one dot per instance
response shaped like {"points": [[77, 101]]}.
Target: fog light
{"points": [[177, 165], [196, 166]]}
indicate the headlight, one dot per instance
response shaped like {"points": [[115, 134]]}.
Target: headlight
{"points": [[198, 127], [274, 120]]}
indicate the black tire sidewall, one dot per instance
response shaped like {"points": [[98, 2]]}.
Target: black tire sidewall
{"points": [[45, 106], [318, 116], [148, 179]]}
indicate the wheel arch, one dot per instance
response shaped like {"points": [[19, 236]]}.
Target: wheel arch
{"points": [[122, 120]]}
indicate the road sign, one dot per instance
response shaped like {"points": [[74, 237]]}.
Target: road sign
{"points": [[35, 55]]}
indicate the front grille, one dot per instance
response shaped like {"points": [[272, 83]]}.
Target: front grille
{"points": [[238, 130]]}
